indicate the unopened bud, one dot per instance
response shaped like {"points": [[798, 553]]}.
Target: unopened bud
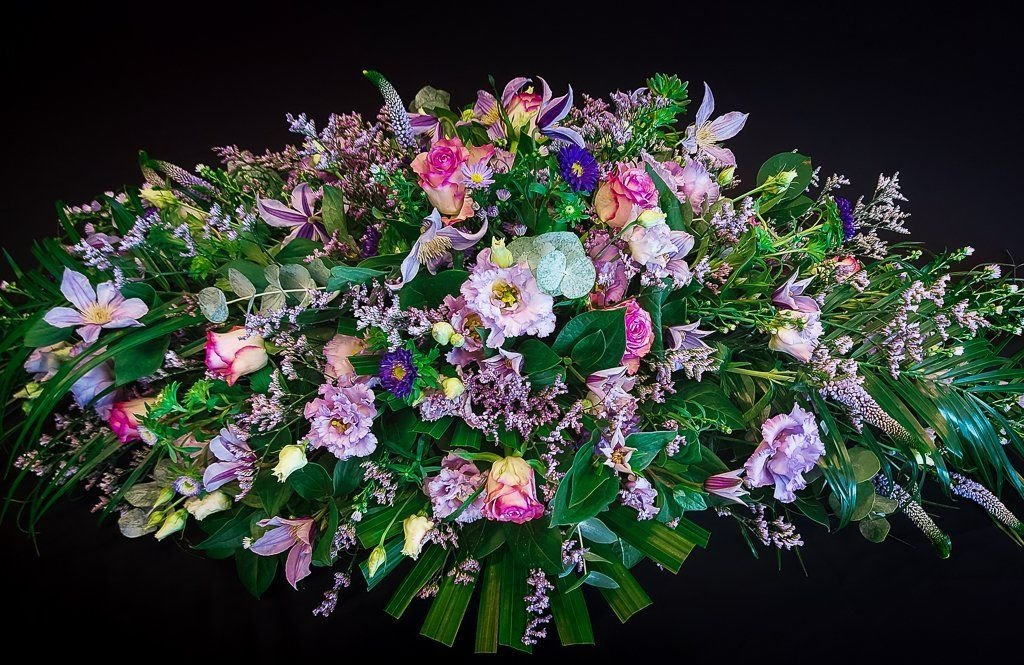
{"points": [[442, 332]]}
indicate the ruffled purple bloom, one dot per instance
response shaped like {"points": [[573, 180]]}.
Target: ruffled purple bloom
{"points": [[237, 461], [341, 418], [299, 217], [508, 301], [578, 168], [397, 372], [102, 307], [457, 480], [294, 536], [846, 215], [790, 447]]}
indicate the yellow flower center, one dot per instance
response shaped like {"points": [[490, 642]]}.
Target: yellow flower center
{"points": [[577, 169], [506, 294], [618, 456], [340, 425], [477, 178], [398, 372], [98, 314]]}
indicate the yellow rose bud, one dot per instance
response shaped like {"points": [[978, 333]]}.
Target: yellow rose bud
{"points": [[416, 528], [289, 460], [500, 256], [214, 502], [726, 175], [378, 557], [453, 387], [652, 217], [442, 332], [175, 522]]}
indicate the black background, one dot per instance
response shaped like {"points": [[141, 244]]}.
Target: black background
{"points": [[932, 93]]}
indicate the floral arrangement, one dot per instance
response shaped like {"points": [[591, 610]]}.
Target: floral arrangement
{"points": [[505, 351]]}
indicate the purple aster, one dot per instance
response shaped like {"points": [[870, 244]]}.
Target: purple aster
{"points": [[578, 168], [846, 214], [478, 176], [397, 372], [187, 486]]}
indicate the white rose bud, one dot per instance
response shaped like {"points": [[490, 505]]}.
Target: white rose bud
{"points": [[416, 528], [500, 255], [651, 217], [289, 460], [214, 502], [453, 387], [378, 557]]}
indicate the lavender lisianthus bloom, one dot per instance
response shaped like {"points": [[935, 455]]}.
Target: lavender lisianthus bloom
{"points": [[294, 536], [435, 242], [341, 418], [797, 334], [790, 447], [102, 307], [457, 480], [846, 215], [578, 168], [704, 135], [508, 301], [397, 372], [300, 216], [237, 461]]}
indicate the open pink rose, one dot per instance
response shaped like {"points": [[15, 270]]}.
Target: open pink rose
{"points": [[234, 354], [639, 336], [440, 171], [512, 492], [124, 418], [627, 192]]}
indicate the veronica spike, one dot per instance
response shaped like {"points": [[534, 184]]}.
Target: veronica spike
{"points": [[397, 114]]}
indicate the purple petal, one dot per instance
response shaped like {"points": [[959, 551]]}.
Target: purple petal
{"points": [[511, 88], [278, 214], [410, 266], [462, 240], [728, 125], [721, 155], [564, 134], [707, 107], [76, 288], [273, 542], [303, 198], [89, 333], [296, 567], [219, 474], [132, 308], [556, 110], [63, 317]]}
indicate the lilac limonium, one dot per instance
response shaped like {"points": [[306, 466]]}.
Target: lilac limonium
{"points": [[398, 372], [704, 135], [578, 168], [727, 485], [294, 536], [617, 454], [299, 216], [237, 461], [435, 242], [102, 307]]}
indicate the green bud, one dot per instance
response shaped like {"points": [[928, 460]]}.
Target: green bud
{"points": [[166, 494], [378, 557], [175, 522]]}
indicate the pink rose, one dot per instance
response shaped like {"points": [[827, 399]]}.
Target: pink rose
{"points": [[338, 351], [440, 171], [234, 354], [124, 418], [639, 336], [522, 110], [627, 191], [512, 492]]}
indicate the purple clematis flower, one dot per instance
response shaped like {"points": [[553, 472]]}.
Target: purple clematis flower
{"points": [[103, 307], [299, 217], [790, 296], [526, 110], [617, 453], [295, 535], [553, 111], [237, 462], [704, 135], [504, 363], [434, 243]]}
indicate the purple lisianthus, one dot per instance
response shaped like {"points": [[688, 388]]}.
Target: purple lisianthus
{"points": [[846, 215], [397, 372], [341, 418], [508, 301], [294, 536], [640, 495], [102, 307], [237, 461], [790, 447], [457, 480], [578, 168]]}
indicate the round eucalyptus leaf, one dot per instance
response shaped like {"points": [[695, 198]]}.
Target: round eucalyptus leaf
{"points": [[549, 272], [213, 304], [875, 529]]}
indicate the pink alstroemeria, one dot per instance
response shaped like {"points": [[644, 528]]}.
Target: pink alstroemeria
{"points": [[617, 453], [295, 535], [103, 307], [434, 243], [299, 217], [705, 134], [237, 462], [728, 485]]}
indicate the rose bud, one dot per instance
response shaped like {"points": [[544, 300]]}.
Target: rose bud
{"points": [[416, 528], [289, 460], [124, 418], [442, 332], [512, 492], [234, 354], [214, 502], [453, 387]]}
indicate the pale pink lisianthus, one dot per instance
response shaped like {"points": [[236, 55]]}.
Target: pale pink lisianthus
{"points": [[341, 418], [627, 192], [790, 447], [508, 302], [338, 351], [512, 492], [639, 336], [124, 418], [234, 354]]}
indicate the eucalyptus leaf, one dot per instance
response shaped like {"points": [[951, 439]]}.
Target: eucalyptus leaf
{"points": [[213, 304]]}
